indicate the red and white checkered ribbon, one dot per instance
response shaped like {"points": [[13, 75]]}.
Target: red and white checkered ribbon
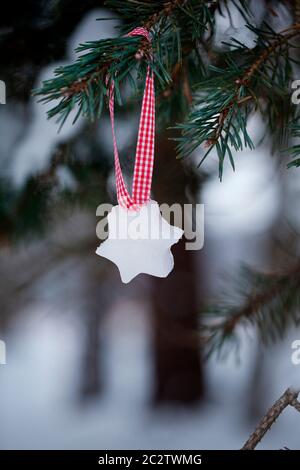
{"points": [[144, 159]]}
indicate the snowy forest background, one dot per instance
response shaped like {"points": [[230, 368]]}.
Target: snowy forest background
{"points": [[95, 364]]}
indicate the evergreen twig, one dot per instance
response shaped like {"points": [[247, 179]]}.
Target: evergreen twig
{"points": [[174, 25], [224, 101], [269, 302], [289, 398]]}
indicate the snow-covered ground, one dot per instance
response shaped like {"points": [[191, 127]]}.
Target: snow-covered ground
{"points": [[39, 407]]}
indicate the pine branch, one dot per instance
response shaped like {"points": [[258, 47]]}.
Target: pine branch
{"points": [[223, 102], [83, 85], [245, 80], [289, 398], [143, 13], [177, 27], [269, 302]]}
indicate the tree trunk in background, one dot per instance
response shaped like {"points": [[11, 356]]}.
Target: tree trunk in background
{"points": [[90, 383], [178, 367], [97, 301]]}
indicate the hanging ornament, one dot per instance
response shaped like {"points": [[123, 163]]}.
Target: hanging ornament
{"points": [[139, 238]]}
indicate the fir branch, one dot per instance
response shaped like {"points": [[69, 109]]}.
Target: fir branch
{"points": [[269, 302], [224, 102], [144, 13], [283, 38], [84, 83], [289, 398], [174, 24]]}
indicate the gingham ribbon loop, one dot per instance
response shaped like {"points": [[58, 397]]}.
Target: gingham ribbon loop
{"points": [[144, 159]]}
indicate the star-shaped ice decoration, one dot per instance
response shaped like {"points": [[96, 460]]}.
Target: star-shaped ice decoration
{"points": [[140, 242]]}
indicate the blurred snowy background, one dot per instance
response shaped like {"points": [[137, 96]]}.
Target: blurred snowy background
{"points": [[86, 368]]}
